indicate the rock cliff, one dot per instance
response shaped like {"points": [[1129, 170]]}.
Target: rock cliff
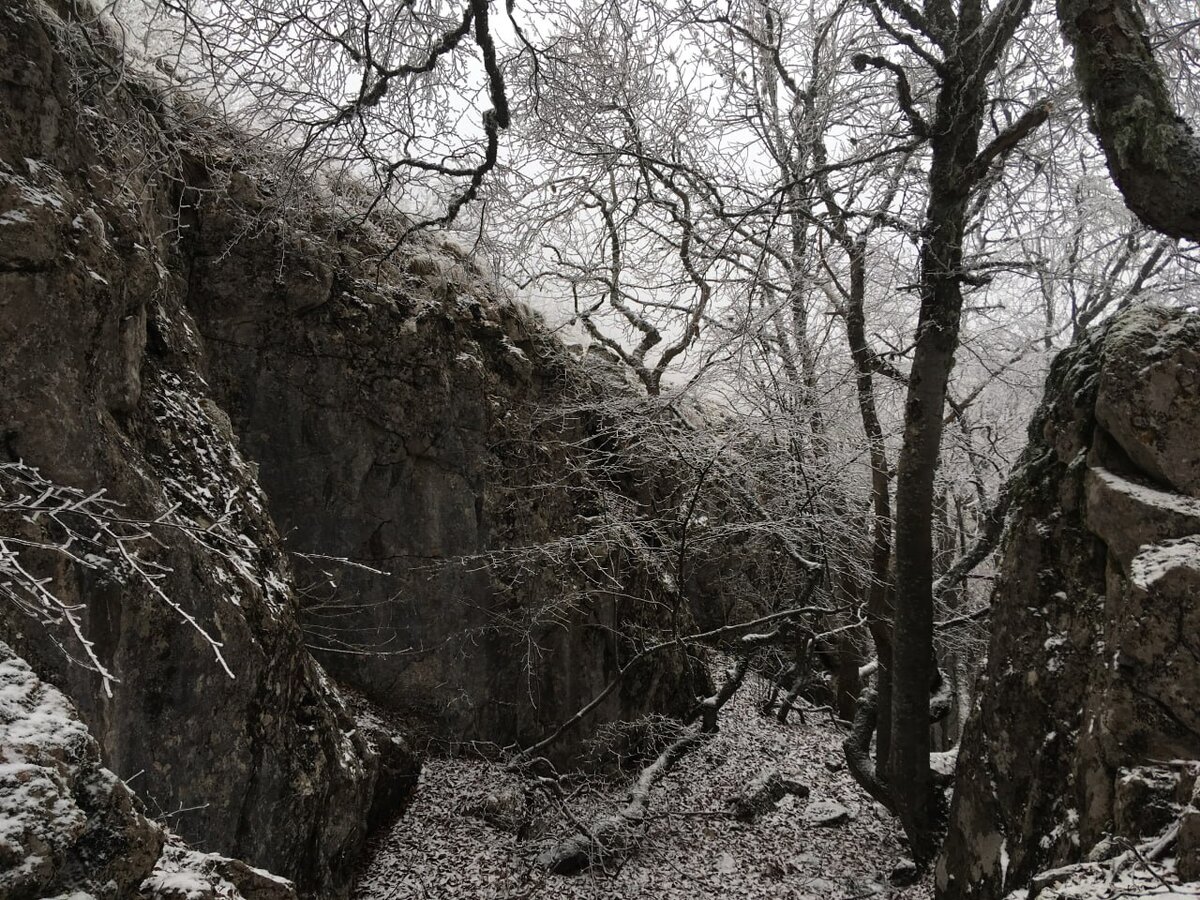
{"points": [[1086, 736], [124, 487], [207, 396], [426, 428]]}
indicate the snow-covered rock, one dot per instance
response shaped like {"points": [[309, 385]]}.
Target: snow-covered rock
{"points": [[185, 874], [66, 822], [70, 827]]}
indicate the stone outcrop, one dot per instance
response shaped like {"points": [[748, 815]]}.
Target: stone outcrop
{"points": [[65, 821], [214, 709], [1087, 729], [69, 826], [414, 425]]}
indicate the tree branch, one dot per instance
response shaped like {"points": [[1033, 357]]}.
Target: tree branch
{"points": [[1006, 140]]}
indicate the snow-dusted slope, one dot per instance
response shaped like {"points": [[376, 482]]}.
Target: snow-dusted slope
{"points": [[471, 832]]}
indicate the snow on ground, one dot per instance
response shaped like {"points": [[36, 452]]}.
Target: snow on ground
{"points": [[1131, 877], [693, 848]]}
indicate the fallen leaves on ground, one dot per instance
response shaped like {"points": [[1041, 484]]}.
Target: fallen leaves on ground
{"points": [[694, 848]]}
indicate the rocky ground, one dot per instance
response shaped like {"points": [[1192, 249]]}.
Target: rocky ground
{"points": [[460, 840]]}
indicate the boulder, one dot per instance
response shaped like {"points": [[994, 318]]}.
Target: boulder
{"points": [[66, 822], [826, 814]]}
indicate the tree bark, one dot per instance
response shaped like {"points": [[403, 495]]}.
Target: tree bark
{"points": [[957, 165], [857, 747], [879, 611], [1152, 153]]}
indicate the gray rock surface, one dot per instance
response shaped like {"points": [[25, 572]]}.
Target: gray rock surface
{"points": [[66, 822], [100, 378], [69, 826], [1089, 697], [417, 426], [826, 813], [182, 873], [1148, 400]]}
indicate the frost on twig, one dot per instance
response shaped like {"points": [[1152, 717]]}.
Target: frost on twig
{"points": [[44, 524]]}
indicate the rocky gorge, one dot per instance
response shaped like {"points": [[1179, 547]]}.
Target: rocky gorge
{"points": [[284, 509], [181, 363]]}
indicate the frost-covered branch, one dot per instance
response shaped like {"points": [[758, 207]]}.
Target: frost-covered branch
{"points": [[41, 520]]}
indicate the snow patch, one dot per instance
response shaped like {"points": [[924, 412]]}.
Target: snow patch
{"points": [[1159, 560], [1168, 501]]}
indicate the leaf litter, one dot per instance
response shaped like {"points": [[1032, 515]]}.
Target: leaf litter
{"points": [[454, 842]]}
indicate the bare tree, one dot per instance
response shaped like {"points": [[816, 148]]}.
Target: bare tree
{"points": [[962, 44], [375, 95]]}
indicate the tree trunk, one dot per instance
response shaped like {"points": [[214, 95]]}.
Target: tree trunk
{"points": [[879, 612], [1152, 153], [849, 685], [957, 166], [955, 144]]}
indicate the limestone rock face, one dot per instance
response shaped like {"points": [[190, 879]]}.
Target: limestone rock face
{"points": [[407, 417], [1088, 711], [213, 704], [397, 426], [1148, 399]]}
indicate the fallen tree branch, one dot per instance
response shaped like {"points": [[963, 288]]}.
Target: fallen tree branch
{"points": [[615, 835], [524, 757], [619, 833], [761, 795]]}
